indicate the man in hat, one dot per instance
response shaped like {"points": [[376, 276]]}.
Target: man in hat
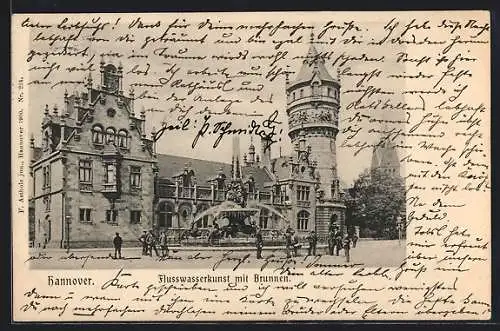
{"points": [[259, 242], [338, 242], [331, 241], [151, 242], [295, 243], [117, 243], [142, 239], [312, 238], [163, 244], [346, 243], [288, 243]]}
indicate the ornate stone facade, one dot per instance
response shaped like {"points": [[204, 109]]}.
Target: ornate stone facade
{"points": [[98, 173]]}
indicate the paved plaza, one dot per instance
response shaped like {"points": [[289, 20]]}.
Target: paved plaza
{"points": [[371, 253]]}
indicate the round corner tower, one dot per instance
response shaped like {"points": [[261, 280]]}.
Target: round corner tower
{"points": [[313, 102]]}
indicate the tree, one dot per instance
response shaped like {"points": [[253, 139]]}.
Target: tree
{"points": [[377, 199]]}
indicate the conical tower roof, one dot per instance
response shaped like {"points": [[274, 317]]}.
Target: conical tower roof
{"points": [[313, 65]]}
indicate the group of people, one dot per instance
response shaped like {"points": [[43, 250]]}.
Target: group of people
{"points": [[150, 243], [336, 242]]}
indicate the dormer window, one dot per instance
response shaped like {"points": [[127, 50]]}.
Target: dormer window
{"points": [[110, 136], [122, 139], [111, 78], [97, 135], [315, 88]]}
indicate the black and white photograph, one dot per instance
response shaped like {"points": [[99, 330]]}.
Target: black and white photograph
{"points": [[235, 166], [270, 172]]}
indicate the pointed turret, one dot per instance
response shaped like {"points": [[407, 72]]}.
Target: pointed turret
{"points": [[312, 66]]}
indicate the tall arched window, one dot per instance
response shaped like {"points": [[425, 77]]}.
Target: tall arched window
{"points": [[110, 136], [302, 220], [97, 135], [122, 139], [165, 217]]}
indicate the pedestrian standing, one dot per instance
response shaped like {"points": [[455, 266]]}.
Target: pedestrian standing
{"points": [[163, 244], [331, 241], [259, 243], [142, 239], [151, 243], [117, 243], [354, 240], [312, 238], [347, 247], [288, 244], [338, 242], [295, 243]]}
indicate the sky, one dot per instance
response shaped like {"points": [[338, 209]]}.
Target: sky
{"points": [[350, 164]]}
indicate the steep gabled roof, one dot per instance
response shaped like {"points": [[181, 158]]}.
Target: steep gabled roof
{"points": [[204, 170]]}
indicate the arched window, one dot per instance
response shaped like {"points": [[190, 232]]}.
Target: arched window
{"points": [[293, 94], [110, 136], [122, 139], [97, 135], [302, 220], [301, 93], [165, 219]]}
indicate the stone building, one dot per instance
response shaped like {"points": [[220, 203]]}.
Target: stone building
{"points": [[99, 170], [94, 174]]}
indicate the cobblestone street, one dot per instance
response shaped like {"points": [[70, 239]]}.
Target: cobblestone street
{"points": [[371, 253]]}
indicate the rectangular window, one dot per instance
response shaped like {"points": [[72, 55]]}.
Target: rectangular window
{"points": [[49, 176], [46, 178], [135, 216], [85, 214], [303, 193], [109, 173], [111, 216], [135, 177], [44, 170], [85, 171], [46, 200]]}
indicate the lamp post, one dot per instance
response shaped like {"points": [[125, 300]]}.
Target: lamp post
{"points": [[398, 222], [68, 222]]}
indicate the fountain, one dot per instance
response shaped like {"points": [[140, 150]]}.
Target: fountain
{"points": [[235, 218]]}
